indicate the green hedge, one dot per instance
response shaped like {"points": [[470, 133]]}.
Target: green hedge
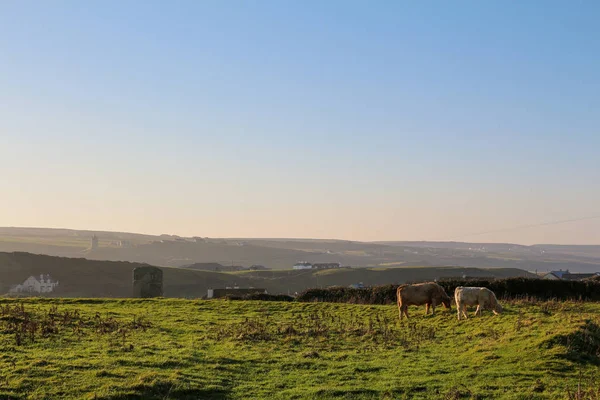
{"points": [[510, 288]]}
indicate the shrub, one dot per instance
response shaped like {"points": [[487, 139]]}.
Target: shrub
{"points": [[509, 288]]}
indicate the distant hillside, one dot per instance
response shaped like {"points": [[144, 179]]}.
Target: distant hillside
{"points": [[168, 250], [175, 251], [458, 245], [587, 251], [304, 279], [79, 277]]}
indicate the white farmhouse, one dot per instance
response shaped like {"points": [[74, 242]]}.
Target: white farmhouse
{"points": [[302, 265], [43, 284]]}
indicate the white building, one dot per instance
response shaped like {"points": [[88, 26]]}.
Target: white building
{"points": [[42, 284], [302, 265], [554, 275]]}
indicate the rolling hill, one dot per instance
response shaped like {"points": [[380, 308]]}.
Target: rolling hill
{"points": [[80, 277], [175, 251]]}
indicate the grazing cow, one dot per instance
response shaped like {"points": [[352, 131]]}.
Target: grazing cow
{"points": [[481, 297], [431, 294]]}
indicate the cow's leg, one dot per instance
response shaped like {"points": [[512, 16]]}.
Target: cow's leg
{"points": [[482, 307], [426, 308], [478, 310], [433, 304], [405, 309], [464, 311], [458, 311], [400, 310]]}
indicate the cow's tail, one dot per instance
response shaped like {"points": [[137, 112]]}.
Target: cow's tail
{"points": [[400, 287], [456, 291]]}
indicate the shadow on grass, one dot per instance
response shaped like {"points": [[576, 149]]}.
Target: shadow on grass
{"points": [[154, 392], [151, 386], [348, 394], [583, 345]]}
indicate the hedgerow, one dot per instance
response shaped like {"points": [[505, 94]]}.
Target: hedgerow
{"points": [[510, 288]]}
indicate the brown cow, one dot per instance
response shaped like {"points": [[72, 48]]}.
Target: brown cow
{"points": [[431, 294]]}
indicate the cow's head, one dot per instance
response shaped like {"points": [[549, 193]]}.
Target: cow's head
{"points": [[498, 309], [446, 301]]}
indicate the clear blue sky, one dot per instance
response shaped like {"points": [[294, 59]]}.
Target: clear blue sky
{"points": [[345, 119]]}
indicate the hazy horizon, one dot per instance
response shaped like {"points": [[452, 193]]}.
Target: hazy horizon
{"points": [[460, 240], [338, 120]]}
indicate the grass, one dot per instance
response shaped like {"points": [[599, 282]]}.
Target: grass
{"points": [[172, 348]]}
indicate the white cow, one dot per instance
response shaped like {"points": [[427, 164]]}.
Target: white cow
{"points": [[470, 296]]}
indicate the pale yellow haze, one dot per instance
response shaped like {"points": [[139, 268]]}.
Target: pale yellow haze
{"points": [[228, 202]]}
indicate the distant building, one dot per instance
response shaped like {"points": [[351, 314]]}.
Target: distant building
{"points": [[549, 276], [578, 277], [559, 274], [233, 291], [358, 285], [94, 243], [124, 243], [147, 282], [302, 265], [566, 275], [43, 284]]}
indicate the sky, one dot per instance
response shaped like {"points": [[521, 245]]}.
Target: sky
{"points": [[356, 120]]}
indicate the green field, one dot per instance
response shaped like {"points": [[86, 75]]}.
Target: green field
{"points": [[172, 348]]}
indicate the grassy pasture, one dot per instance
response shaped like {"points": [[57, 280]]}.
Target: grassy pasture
{"points": [[173, 348]]}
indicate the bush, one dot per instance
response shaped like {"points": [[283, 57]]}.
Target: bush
{"points": [[510, 288], [385, 294]]}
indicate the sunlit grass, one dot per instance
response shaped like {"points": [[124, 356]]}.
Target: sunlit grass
{"points": [[251, 349]]}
